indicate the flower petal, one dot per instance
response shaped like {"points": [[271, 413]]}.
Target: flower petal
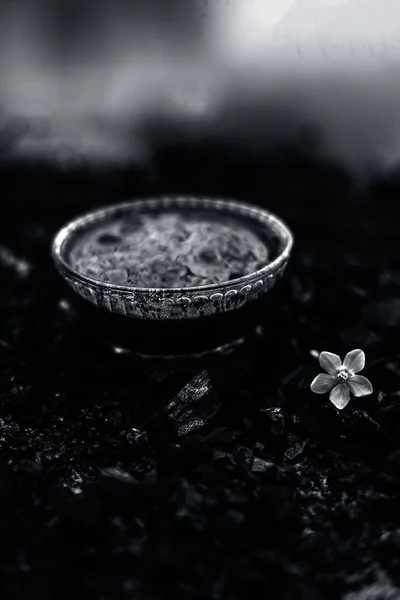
{"points": [[331, 363], [359, 385], [340, 395], [354, 361], [323, 383]]}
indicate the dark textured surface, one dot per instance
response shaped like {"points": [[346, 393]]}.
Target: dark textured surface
{"points": [[225, 479]]}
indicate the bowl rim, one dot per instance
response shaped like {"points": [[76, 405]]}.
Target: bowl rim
{"points": [[233, 207]]}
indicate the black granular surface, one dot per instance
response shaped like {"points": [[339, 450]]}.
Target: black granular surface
{"points": [[221, 479]]}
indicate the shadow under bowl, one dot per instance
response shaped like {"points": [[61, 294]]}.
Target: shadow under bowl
{"points": [[175, 321]]}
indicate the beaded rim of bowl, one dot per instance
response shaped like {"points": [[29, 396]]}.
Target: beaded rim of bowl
{"points": [[235, 208]]}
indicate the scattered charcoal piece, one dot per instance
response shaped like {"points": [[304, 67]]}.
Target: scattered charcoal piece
{"points": [[383, 588], [16, 264], [137, 437], [66, 307], [159, 370], [262, 466], [302, 290], [361, 337], [274, 423], [359, 425], [383, 313], [295, 449], [194, 406]]}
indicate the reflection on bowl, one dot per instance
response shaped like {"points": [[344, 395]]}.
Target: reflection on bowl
{"points": [[171, 320]]}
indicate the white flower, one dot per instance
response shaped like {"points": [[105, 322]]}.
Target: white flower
{"points": [[341, 379]]}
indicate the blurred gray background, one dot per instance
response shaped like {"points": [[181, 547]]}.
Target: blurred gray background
{"points": [[85, 80]]}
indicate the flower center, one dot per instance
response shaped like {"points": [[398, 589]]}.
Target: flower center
{"points": [[343, 375]]}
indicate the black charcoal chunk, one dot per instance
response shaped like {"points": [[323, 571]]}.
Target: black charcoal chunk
{"points": [[274, 421], [194, 406], [137, 437], [13, 263], [261, 465], [295, 449], [384, 313]]}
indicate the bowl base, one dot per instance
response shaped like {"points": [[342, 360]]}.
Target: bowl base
{"points": [[223, 349], [191, 338]]}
